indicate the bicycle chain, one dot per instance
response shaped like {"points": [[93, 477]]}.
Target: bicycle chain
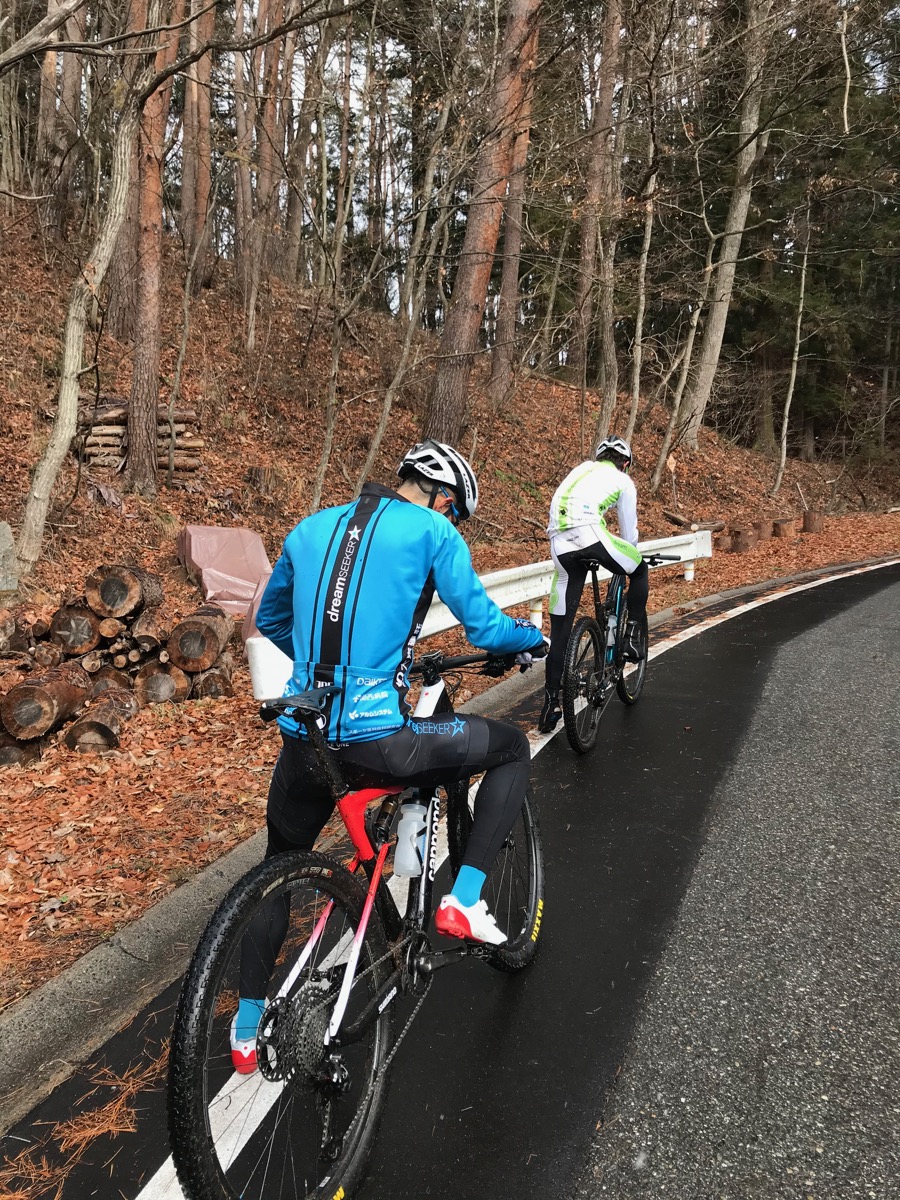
{"points": [[362, 1106]]}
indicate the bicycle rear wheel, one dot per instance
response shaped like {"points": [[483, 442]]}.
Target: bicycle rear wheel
{"points": [[581, 687], [631, 682], [514, 889], [302, 1125]]}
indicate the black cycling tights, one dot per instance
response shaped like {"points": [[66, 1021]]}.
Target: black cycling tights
{"points": [[425, 753], [574, 563]]}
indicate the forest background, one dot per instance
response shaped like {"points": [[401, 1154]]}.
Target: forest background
{"points": [[332, 227]]}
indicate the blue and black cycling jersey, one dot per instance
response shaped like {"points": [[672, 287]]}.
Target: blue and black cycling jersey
{"points": [[347, 599]]}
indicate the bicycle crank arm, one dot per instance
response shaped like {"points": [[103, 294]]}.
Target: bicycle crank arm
{"points": [[429, 963], [385, 995]]}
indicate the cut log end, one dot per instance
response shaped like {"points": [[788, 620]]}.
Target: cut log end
{"points": [[34, 707], [159, 683], [101, 727], [119, 591], [196, 642]]}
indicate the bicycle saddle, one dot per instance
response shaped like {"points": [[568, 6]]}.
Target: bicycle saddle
{"points": [[309, 704]]}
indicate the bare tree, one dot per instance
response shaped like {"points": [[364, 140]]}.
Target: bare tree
{"points": [[795, 355], [504, 352], [446, 411], [85, 289], [752, 144]]}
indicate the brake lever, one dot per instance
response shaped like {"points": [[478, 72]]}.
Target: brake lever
{"points": [[494, 668]]}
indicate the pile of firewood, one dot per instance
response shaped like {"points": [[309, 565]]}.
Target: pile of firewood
{"points": [[102, 656], [101, 437]]}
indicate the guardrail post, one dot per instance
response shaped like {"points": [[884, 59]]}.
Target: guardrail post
{"points": [[689, 571], [536, 612]]}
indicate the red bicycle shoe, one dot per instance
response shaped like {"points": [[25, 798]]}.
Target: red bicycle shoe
{"points": [[243, 1053], [474, 923]]}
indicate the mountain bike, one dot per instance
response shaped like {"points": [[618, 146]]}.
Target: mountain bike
{"points": [[341, 958], [595, 665]]}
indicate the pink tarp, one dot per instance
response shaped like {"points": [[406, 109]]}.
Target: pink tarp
{"points": [[227, 564]]}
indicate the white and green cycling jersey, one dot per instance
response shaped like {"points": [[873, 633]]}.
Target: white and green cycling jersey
{"points": [[587, 492]]}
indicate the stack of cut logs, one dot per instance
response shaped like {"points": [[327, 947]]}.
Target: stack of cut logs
{"points": [[101, 657], [102, 431]]}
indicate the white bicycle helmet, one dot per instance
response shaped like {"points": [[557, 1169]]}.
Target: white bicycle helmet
{"points": [[613, 445], [444, 465]]}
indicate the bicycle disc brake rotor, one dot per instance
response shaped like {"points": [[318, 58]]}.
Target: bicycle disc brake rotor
{"points": [[292, 1037]]}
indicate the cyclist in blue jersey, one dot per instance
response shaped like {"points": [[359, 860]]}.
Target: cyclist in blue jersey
{"points": [[346, 603]]}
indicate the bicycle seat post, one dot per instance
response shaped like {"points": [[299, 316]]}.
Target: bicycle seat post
{"points": [[595, 583], [326, 759]]}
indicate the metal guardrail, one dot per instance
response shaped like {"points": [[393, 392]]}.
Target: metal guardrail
{"points": [[531, 583]]}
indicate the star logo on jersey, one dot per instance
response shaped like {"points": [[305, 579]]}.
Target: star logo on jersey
{"points": [[456, 727], [354, 533]]}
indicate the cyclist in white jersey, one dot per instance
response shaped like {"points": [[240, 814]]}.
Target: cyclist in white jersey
{"points": [[578, 535]]}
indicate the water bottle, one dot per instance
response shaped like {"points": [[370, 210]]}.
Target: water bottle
{"points": [[611, 624], [407, 858]]}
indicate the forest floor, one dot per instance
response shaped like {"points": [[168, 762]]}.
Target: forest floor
{"points": [[91, 842]]}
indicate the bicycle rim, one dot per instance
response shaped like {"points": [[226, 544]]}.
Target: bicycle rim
{"points": [[631, 682], [302, 1125], [582, 697], [514, 889]]}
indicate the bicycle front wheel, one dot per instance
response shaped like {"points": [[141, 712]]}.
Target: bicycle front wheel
{"points": [[303, 1123], [514, 889], [582, 698], [630, 683]]}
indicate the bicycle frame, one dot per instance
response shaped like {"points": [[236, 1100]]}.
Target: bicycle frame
{"points": [[352, 807], [606, 612]]}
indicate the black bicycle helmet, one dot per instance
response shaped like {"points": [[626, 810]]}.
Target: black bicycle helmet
{"points": [[615, 446], [444, 465]]}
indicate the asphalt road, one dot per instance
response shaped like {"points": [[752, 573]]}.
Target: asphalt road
{"points": [[714, 1010]]}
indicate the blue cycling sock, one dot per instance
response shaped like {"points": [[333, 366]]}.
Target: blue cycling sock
{"points": [[248, 1017], [468, 885]]}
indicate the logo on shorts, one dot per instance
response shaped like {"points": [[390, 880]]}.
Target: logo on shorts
{"points": [[452, 727]]}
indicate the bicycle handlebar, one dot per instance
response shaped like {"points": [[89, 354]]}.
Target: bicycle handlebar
{"points": [[655, 560]]}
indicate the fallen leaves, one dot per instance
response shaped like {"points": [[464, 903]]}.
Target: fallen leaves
{"points": [[89, 846]]}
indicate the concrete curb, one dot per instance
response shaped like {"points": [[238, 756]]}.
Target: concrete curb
{"points": [[48, 1034]]}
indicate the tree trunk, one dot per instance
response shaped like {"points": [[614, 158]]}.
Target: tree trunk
{"points": [[600, 206], [140, 474], [446, 411], [158, 683], [215, 682], [196, 642], [119, 591], [100, 727], [794, 359], [196, 184], [503, 357], [43, 702], [637, 348], [672, 429], [107, 678], [14, 752], [76, 629], [752, 146], [150, 630], [86, 287]]}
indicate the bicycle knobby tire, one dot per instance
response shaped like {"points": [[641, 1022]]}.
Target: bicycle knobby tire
{"points": [[281, 1157], [630, 683], [582, 677], [514, 889]]}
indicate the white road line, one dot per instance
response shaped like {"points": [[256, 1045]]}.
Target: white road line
{"points": [[240, 1107]]}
